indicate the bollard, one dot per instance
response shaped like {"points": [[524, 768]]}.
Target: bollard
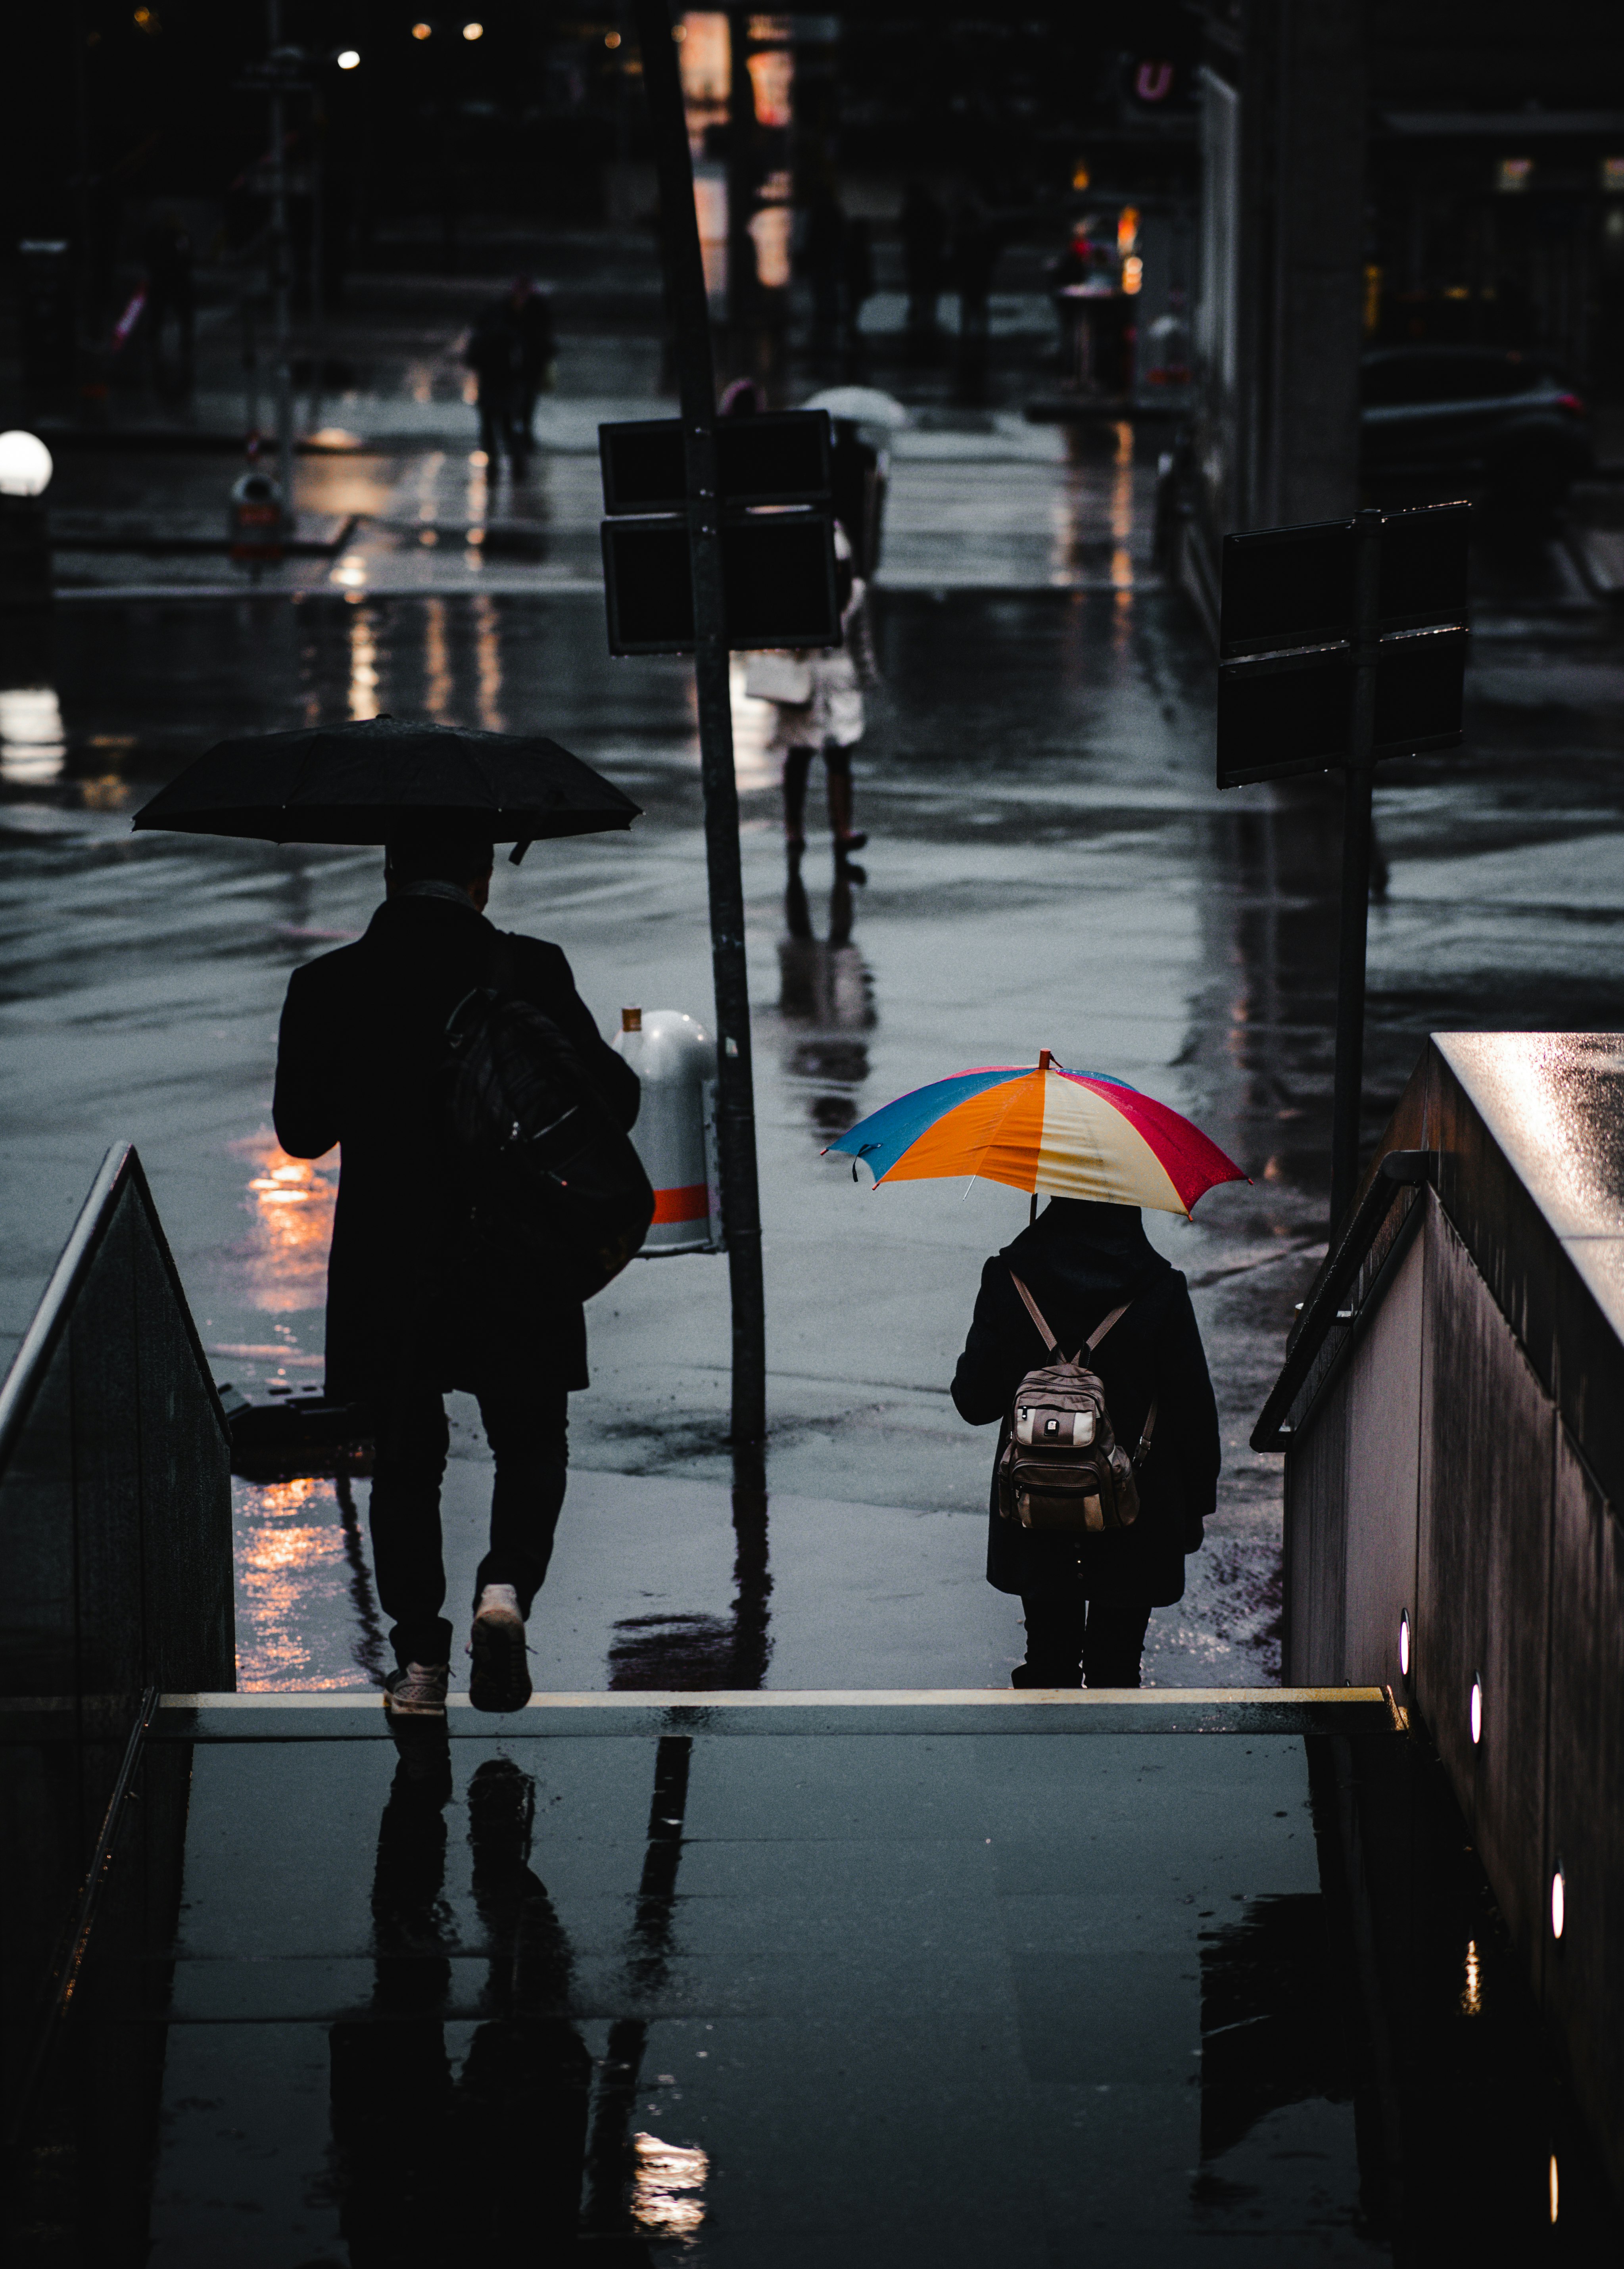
{"points": [[674, 1057], [24, 523], [254, 525]]}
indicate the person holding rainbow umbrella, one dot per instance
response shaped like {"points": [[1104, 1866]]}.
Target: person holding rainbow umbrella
{"points": [[1083, 1276]]}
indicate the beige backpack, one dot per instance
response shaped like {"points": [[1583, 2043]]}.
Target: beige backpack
{"points": [[1063, 1470]]}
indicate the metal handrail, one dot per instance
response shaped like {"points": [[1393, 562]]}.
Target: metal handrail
{"points": [[119, 1171], [1321, 1311]]}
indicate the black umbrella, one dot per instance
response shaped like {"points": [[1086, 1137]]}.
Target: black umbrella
{"points": [[364, 783]]}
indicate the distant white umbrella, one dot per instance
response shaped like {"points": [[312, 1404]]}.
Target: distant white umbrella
{"points": [[864, 405]]}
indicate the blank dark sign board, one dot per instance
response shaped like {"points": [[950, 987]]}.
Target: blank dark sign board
{"points": [[642, 466], [1423, 577], [782, 457], [1295, 585], [1286, 587], [1275, 718], [1420, 684], [1272, 723], [778, 579]]}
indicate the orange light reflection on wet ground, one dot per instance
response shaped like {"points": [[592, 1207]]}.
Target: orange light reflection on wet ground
{"points": [[289, 1202], [295, 1618]]}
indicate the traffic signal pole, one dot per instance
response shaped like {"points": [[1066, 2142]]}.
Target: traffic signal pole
{"points": [[280, 275], [1358, 776], [735, 1112]]}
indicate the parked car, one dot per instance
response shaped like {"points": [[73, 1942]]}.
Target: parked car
{"points": [[1475, 413]]}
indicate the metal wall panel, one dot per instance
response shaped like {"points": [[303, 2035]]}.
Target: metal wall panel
{"points": [[1382, 1387], [1484, 1572], [1316, 1548], [1512, 1464], [1584, 1975]]}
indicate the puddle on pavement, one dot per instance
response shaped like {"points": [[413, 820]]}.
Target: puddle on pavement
{"points": [[1197, 1988], [306, 1611]]}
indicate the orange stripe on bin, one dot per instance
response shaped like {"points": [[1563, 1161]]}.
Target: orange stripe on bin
{"points": [[690, 1204]]}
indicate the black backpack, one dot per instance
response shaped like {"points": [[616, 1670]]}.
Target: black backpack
{"points": [[554, 1178]]}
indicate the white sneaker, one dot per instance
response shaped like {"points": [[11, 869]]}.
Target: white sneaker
{"points": [[501, 1679], [416, 1689]]}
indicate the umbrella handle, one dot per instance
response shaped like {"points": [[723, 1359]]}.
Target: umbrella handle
{"points": [[516, 855]]}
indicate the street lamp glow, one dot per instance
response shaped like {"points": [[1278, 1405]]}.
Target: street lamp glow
{"points": [[348, 59], [473, 30], [422, 31], [25, 465]]}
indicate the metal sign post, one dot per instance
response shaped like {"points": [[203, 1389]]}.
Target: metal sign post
{"points": [[735, 1093], [279, 275], [1358, 779], [277, 79], [1341, 643]]}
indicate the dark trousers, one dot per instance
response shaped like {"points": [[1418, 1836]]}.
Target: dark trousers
{"points": [[526, 1425], [1082, 1642], [499, 431]]}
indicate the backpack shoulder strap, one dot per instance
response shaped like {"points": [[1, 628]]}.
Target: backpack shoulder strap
{"points": [[1036, 1315], [1100, 1330], [1143, 1451]]}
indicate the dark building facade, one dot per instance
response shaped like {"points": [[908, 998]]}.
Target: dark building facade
{"points": [[1386, 174]]}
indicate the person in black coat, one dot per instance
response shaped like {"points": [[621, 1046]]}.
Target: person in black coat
{"points": [[495, 354], [1088, 1598], [415, 1305], [538, 350]]}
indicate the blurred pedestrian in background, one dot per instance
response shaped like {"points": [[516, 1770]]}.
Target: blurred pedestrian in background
{"points": [[857, 265], [972, 257], [538, 352], [171, 294], [1087, 1596], [924, 236], [1083, 286], [823, 258], [495, 354], [818, 695], [742, 399]]}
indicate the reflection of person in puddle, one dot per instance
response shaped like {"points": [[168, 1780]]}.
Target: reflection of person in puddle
{"points": [[429, 2158], [415, 1304], [824, 983]]}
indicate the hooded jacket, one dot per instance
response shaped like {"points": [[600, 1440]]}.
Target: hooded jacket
{"points": [[1080, 1259]]}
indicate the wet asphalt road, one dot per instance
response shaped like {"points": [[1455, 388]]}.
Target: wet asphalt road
{"points": [[1049, 866]]}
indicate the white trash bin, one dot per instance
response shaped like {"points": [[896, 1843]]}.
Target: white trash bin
{"points": [[675, 1058]]}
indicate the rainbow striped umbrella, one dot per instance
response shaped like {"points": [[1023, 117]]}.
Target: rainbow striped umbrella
{"points": [[1065, 1133]]}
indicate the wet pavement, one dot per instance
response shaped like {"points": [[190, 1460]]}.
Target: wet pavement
{"points": [[426, 513], [726, 1980], [1049, 866], [943, 1981]]}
